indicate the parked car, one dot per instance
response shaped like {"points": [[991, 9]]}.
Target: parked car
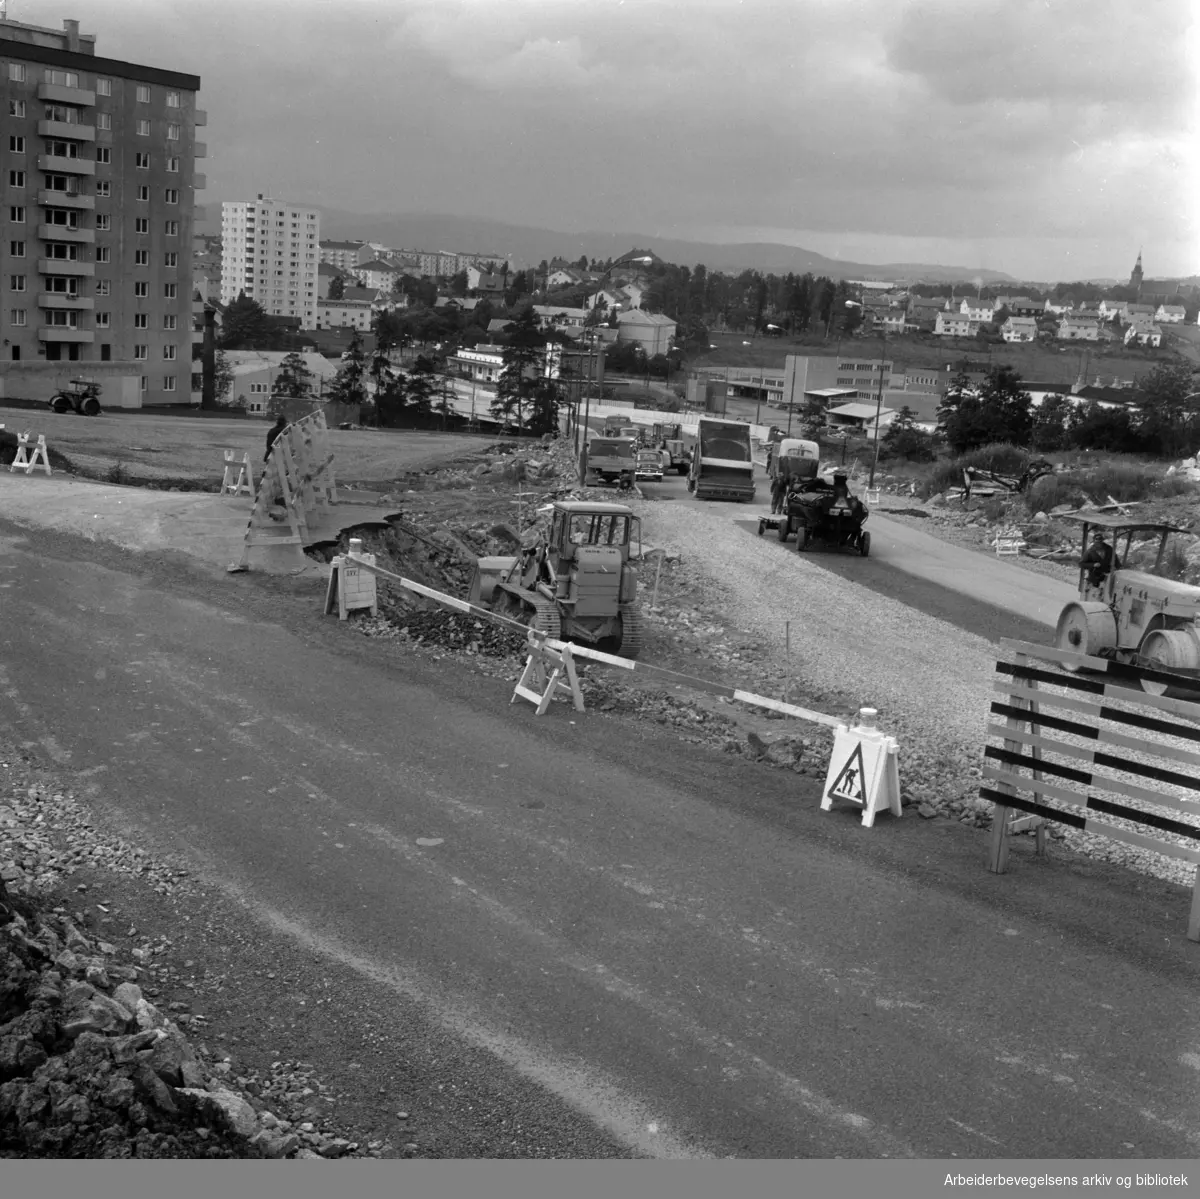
{"points": [[649, 466]]}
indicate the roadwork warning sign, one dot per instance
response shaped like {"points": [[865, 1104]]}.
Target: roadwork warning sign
{"points": [[863, 769]]}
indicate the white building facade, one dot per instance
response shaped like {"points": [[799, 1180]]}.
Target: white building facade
{"points": [[270, 251]]}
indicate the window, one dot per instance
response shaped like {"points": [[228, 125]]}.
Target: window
{"points": [[170, 291], [16, 282], [143, 385], [62, 251], [16, 316], [16, 72], [66, 218], [103, 87], [103, 254], [17, 213], [170, 258], [169, 322], [143, 193], [171, 195], [104, 155], [173, 165], [171, 228], [102, 287], [140, 320], [258, 388], [141, 258], [142, 128], [61, 285], [62, 319], [105, 352], [142, 162], [103, 120], [103, 188], [63, 78], [168, 382], [16, 108], [141, 224], [103, 320], [173, 133], [16, 249], [168, 353], [103, 222], [16, 353], [62, 114], [143, 94], [141, 290], [60, 149], [172, 99], [16, 145], [140, 353], [16, 178]]}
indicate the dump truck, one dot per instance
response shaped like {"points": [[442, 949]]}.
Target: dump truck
{"points": [[722, 466], [579, 582], [680, 457], [1129, 609], [611, 460]]}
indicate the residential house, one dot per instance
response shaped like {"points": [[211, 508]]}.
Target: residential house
{"points": [[563, 277], [1018, 305], [891, 320], [1170, 314], [344, 314], [376, 273], [1089, 309], [1060, 307], [479, 280], [255, 373], [1113, 309], [651, 330], [1143, 333], [1138, 312], [327, 273], [956, 324], [339, 253], [1019, 328], [977, 310], [497, 325], [1079, 327], [369, 251], [608, 299], [554, 314], [483, 364], [633, 294]]}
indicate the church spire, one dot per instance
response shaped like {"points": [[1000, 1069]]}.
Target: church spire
{"points": [[1135, 278]]}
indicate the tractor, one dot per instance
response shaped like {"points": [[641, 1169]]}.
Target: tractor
{"points": [[80, 395], [578, 582], [1129, 614]]}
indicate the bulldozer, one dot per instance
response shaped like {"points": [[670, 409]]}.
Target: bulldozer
{"points": [[577, 583], [1137, 616]]}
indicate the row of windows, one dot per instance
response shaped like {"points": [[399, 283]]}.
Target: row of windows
{"points": [[141, 290], [70, 116], [18, 73], [20, 179]]}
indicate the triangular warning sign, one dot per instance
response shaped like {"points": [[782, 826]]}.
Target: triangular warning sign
{"points": [[849, 781]]}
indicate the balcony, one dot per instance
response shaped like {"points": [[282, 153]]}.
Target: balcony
{"points": [[60, 299], [65, 266], [62, 333], [63, 233], [58, 94], [72, 132], [201, 116], [199, 212], [200, 150], [66, 200], [66, 166], [199, 181]]}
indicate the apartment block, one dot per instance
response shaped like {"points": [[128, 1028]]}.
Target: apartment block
{"points": [[97, 203], [342, 254], [270, 251]]}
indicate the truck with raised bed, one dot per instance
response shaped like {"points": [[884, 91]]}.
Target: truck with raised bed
{"points": [[722, 466]]}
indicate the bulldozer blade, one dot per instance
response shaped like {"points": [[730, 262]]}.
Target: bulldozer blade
{"points": [[488, 572]]}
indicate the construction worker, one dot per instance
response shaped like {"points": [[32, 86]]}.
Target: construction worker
{"points": [[1099, 559], [273, 434]]}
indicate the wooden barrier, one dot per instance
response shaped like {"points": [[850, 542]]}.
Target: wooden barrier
{"points": [[1109, 721], [239, 477], [24, 461], [1008, 542], [549, 674]]}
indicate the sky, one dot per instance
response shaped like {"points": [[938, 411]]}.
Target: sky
{"points": [[1050, 139]]}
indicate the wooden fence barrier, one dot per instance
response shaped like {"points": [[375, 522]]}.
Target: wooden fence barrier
{"points": [[1110, 724]]}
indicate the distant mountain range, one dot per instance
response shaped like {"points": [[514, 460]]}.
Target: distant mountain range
{"points": [[524, 246]]}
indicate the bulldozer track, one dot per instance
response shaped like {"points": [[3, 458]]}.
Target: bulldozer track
{"points": [[545, 618], [632, 630]]}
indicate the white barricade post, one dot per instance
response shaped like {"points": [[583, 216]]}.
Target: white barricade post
{"points": [[872, 495], [864, 769], [24, 461], [239, 476], [539, 686], [1008, 542], [350, 587]]}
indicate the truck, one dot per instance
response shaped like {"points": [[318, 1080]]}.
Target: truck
{"points": [[679, 457], [722, 465], [611, 460]]}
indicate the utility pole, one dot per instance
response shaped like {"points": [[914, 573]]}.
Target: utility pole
{"points": [[878, 408]]}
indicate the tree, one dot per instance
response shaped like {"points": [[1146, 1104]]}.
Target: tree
{"points": [[245, 326], [904, 440], [223, 377], [999, 410], [337, 288], [294, 379], [424, 385], [1050, 424], [458, 284], [349, 385], [524, 366], [1170, 409]]}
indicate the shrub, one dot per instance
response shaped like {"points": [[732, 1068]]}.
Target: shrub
{"points": [[1122, 481]]}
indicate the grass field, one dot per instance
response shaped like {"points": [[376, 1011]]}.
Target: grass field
{"points": [[1043, 363], [179, 448]]}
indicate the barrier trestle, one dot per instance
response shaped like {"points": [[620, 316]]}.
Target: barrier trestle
{"points": [[299, 480], [549, 674], [1061, 725], [239, 476], [38, 460]]}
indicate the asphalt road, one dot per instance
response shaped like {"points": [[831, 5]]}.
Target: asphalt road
{"points": [[675, 944]]}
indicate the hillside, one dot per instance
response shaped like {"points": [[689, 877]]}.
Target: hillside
{"points": [[525, 246]]}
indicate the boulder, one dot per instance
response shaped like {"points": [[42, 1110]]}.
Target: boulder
{"points": [[275, 1144], [98, 1014], [147, 1015], [224, 1105], [128, 995], [168, 1053], [151, 1087]]}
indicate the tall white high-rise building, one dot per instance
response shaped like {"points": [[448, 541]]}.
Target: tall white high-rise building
{"points": [[269, 250]]}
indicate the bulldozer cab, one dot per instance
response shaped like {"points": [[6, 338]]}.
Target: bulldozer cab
{"points": [[576, 524], [1143, 560]]}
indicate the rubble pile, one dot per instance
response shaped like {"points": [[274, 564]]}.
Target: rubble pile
{"points": [[444, 629]]}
